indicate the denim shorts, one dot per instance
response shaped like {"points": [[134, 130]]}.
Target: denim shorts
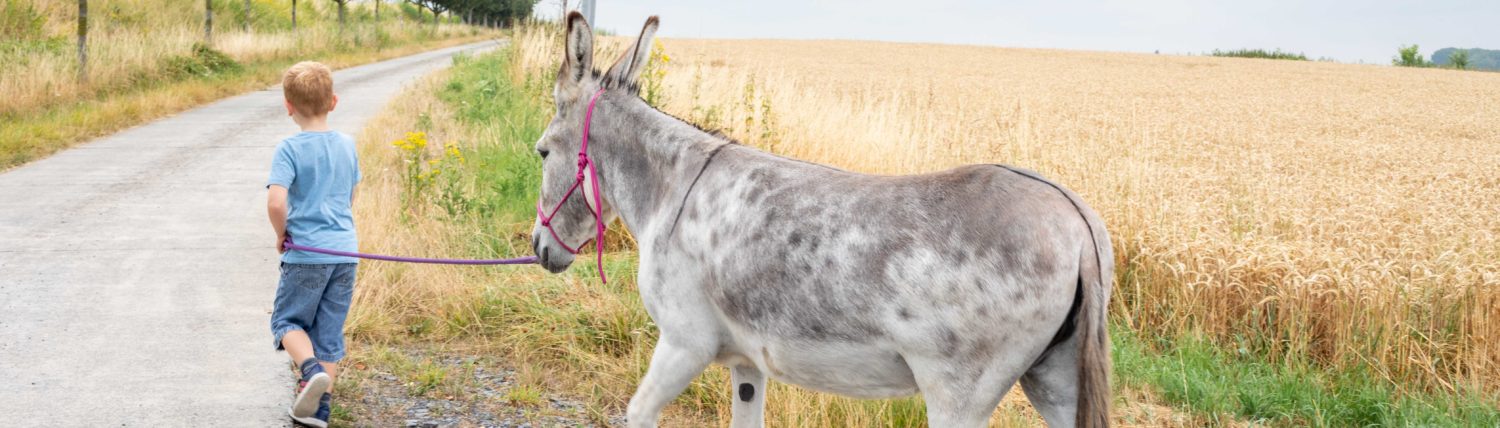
{"points": [[314, 299]]}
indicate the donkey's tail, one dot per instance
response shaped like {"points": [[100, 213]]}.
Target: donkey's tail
{"points": [[1096, 278]]}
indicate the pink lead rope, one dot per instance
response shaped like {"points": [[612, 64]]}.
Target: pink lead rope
{"points": [[596, 208], [515, 261]]}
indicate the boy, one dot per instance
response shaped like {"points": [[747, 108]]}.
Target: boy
{"points": [[315, 171]]}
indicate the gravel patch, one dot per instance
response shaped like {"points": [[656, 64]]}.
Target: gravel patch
{"points": [[386, 399]]}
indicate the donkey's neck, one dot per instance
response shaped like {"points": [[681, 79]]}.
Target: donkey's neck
{"points": [[647, 160]]}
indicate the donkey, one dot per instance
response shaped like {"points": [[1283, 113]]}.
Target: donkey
{"points": [[953, 284]]}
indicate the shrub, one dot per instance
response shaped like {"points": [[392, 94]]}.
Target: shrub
{"points": [[1459, 60], [1260, 53], [1409, 56], [204, 61]]}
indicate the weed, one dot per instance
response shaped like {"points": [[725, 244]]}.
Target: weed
{"points": [[524, 395], [654, 74]]}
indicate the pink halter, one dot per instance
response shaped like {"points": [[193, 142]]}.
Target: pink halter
{"points": [[596, 207]]}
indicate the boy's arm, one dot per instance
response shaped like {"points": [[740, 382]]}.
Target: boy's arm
{"points": [[276, 209]]}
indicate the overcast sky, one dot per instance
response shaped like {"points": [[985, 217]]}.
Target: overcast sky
{"points": [[1345, 30]]}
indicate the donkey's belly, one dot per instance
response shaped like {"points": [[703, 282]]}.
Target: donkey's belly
{"points": [[856, 370]]}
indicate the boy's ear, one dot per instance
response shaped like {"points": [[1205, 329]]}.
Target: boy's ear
{"points": [[578, 56], [333, 103], [629, 66], [290, 111]]}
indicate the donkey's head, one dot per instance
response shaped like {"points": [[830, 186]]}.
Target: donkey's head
{"points": [[572, 224]]}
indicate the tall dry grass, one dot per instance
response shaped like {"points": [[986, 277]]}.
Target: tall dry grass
{"points": [[1341, 215], [130, 42]]}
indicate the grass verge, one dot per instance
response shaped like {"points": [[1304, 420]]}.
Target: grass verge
{"points": [[29, 135], [1193, 373]]}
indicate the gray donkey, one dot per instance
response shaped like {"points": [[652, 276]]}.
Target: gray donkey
{"points": [[953, 284]]}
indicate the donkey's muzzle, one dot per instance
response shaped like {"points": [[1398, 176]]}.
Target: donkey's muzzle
{"points": [[553, 259]]}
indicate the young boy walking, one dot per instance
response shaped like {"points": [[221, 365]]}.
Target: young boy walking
{"points": [[311, 191]]}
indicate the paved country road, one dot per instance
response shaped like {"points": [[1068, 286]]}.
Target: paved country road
{"points": [[137, 270]]}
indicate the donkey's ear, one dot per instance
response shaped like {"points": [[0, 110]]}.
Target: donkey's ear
{"points": [[629, 66], [578, 57]]}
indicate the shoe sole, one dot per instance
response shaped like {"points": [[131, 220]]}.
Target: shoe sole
{"points": [[307, 401], [310, 422]]}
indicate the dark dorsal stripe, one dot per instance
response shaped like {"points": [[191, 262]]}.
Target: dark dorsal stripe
{"points": [[673, 228]]}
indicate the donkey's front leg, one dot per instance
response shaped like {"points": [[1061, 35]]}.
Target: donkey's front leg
{"points": [[749, 397], [673, 367]]}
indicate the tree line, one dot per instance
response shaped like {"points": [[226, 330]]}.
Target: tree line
{"points": [[489, 13], [1455, 58], [479, 12]]}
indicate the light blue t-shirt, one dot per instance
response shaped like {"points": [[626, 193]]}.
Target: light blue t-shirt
{"points": [[319, 171]]}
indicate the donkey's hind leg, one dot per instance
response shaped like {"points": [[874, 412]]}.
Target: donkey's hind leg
{"points": [[955, 397], [749, 397], [672, 368], [1051, 385]]}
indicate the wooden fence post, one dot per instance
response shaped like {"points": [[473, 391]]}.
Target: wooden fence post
{"points": [[208, 22], [83, 44]]}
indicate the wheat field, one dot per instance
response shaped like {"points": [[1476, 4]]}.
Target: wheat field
{"points": [[1341, 215]]}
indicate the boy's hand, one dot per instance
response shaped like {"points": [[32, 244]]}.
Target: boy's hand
{"points": [[281, 245]]}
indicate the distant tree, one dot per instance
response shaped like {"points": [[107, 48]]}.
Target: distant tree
{"points": [[1409, 56], [83, 41], [1473, 58], [245, 24], [501, 11], [1459, 60], [208, 22], [294, 15], [437, 7], [343, 4]]}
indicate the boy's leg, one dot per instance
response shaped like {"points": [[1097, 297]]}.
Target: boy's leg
{"points": [[333, 372], [293, 317], [328, 329], [297, 346], [300, 348]]}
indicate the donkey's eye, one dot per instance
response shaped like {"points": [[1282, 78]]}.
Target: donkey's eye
{"points": [[542, 152]]}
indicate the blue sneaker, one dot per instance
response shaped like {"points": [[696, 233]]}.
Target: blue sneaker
{"points": [[325, 407], [312, 396]]}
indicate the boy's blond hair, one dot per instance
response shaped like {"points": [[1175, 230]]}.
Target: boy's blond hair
{"points": [[309, 87]]}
